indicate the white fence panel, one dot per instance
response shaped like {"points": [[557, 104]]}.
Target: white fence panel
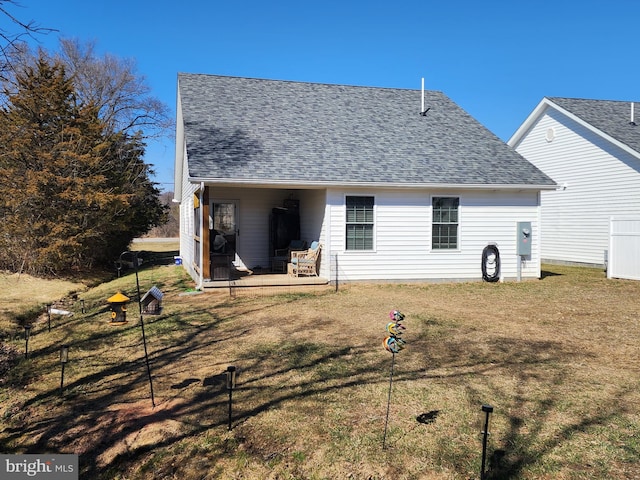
{"points": [[624, 249]]}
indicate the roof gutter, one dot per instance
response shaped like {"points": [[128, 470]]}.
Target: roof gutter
{"points": [[260, 183]]}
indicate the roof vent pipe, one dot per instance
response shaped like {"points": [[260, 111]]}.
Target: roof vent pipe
{"points": [[633, 119], [423, 111]]}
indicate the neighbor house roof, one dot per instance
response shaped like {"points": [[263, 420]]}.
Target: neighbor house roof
{"points": [[255, 131], [610, 119]]}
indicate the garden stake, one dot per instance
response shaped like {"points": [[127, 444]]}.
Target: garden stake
{"points": [[392, 343], [386, 423]]}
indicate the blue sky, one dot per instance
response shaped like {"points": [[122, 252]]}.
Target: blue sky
{"points": [[497, 59]]}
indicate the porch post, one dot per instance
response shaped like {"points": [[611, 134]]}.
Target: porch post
{"points": [[205, 235]]}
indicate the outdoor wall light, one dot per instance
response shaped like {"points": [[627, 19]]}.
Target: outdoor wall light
{"points": [[27, 334], [64, 358], [487, 410], [231, 384]]}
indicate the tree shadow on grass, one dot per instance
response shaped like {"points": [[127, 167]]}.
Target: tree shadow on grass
{"points": [[106, 413], [532, 434]]}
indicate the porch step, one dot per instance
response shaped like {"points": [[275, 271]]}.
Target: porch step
{"points": [[265, 280]]}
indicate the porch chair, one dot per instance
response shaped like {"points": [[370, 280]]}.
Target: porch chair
{"points": [[294, 245], [282, 255], [304, 262]]}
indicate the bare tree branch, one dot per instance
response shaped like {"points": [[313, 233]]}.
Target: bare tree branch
{"points": [[9, 38], [122, 95]]}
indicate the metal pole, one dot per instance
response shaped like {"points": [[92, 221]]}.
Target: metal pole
{"points": [[27, 332], [386, 423], [62, 380], [144, 338]]}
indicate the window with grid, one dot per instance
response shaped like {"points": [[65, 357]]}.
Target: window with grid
{"points": [[444, 234], [359, 223]]}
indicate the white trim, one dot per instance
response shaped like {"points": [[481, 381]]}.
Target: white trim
{"points": [[459, 239], [180, 152], [375, 223], [200, 250], [545, 103]]}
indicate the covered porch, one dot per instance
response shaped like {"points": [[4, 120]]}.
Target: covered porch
{"points": [[239, 240]]}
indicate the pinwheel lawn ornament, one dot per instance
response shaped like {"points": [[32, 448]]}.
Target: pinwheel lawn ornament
{"points": [[393, 343]]}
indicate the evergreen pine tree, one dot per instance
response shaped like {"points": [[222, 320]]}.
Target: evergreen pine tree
{"points": [[72, 194]]}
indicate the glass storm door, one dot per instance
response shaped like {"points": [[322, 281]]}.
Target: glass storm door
{"points": [[224, 225]]}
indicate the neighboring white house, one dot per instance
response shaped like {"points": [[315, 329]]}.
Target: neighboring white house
{"points": [[396, 184], [591, 149]]}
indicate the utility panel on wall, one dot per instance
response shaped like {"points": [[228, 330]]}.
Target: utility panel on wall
{"points": [[523, 247]]}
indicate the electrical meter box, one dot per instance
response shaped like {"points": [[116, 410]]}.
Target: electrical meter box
{"points": [[523, 246]]}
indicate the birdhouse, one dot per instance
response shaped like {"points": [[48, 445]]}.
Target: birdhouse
{"points": [[152, 301], [118, 307]]}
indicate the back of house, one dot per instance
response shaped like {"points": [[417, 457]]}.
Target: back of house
{"points": [[392, 190]]}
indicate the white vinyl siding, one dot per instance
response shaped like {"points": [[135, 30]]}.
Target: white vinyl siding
{"points": [[403, 236], [596, 180], [187, 224], [403, 231]]}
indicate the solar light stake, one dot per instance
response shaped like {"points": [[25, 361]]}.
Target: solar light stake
{"points": [[27, 334], [64, 358], [488, 410], [231, 383]]}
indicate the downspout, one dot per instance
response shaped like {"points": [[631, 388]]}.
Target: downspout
{"points": [[201, 220]]}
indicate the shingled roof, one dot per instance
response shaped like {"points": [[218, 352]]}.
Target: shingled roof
{"points": [[255, 131], [609, 116]]}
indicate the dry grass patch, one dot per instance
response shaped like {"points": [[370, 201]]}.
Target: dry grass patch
{"points": [[557, 358]]}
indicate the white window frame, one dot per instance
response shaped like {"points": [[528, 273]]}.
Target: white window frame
{"points": [[374, 224], [457, 223]]}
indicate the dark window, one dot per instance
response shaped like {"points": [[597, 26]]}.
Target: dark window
{"points": [[359, 223], [444, 234]]}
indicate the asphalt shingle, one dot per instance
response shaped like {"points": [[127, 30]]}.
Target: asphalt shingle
{"points": [[611, 117], [270, 130]]}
